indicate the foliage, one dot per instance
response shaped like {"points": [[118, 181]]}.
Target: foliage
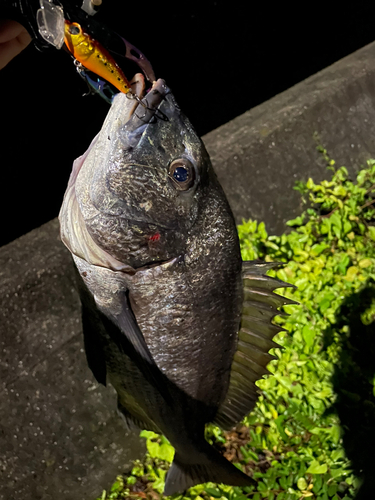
{"points": [[292, 443]]}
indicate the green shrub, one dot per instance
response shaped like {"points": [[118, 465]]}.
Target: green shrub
{"points": [[293, 441]]}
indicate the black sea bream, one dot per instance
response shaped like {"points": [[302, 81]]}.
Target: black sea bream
{"points": [[172, 317]]}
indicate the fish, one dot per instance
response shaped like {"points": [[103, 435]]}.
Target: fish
{"points": [[93, 56], [172, 318]]}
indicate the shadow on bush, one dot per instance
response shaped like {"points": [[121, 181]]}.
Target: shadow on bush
{"points": [[353, 382]]}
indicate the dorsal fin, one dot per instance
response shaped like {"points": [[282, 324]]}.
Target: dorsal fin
{"points": [[260, 306]]}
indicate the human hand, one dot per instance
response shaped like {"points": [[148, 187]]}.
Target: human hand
{"points": [[13, 39]]}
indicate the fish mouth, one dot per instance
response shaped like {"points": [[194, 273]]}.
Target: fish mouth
{"points": [[144, 112], [149, 105]]}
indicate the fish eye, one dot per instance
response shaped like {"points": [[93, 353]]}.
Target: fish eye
{"points": [[74, 30], [182, 174]]}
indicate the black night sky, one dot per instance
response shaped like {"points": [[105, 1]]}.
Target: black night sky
{"points": [[220, 59]]}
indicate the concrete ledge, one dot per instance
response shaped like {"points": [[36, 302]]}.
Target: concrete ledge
{"points": [[259, 155], [59, 435]]}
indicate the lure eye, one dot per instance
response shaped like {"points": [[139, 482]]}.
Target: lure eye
{"points": [[182, 174], [74, 30]]}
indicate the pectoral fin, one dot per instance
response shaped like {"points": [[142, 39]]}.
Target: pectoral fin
{"points": [[260, 306], [110, 321], [136, 419]]}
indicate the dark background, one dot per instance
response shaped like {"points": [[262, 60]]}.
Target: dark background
{"points": [[218, 59]]}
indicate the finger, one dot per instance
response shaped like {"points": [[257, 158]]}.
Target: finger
{"points": [[13, 39]]}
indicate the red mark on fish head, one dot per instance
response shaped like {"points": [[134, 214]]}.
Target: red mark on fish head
{"points": [[154, 237]]}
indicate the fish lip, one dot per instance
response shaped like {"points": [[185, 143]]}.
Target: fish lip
{"points": [[143, 114], [151, 101]]}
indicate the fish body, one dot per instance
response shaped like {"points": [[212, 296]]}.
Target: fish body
{"points": [[162, 283], [93, 56]]}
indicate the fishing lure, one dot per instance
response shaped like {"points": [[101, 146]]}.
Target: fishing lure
{"points": [[93, 56], [90, 57], [96, 85]]}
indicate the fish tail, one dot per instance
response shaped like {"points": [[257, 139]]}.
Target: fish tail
{"points": [[213, 467]]}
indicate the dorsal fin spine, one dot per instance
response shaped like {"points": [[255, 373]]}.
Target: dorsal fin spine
{"points": [[257, 340], [260, 306]]}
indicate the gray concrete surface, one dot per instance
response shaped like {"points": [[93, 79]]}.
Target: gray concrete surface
{"points": [[59, 435], [259, 155], [60, 438]]}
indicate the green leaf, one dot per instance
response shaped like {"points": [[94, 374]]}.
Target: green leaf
{"points": [[332, 490], [371, 232], [283, 483], [214, 492], [116, 486], [335, 432], [262, 231], [318, 248], [337, 454], [351, 273], [159, 484], [279, 424], [335, 473], [253, 455], [262, 486], [308, 334], [149, 434], [317, 468], [310, 183], [347, 227], [326, 301], [365, 263], [166, 452], [298, 221], [153, 448], [301, 483], [317, 483]]}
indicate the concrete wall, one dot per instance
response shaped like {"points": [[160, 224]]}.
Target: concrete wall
{"points": [[60, 438], [259, 155]]}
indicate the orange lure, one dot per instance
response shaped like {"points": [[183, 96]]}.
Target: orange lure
{"points": [[94, 56]]}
